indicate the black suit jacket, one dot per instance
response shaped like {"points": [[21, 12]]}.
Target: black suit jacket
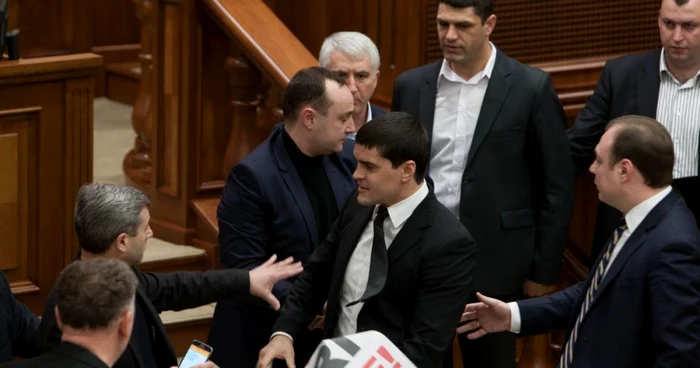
{"points": [[517, 192], [66, 355], [430, 277], [157, 293], [18, 326], [646, 312], [627, 86]]}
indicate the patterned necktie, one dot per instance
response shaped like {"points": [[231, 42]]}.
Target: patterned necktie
{"points": [[567, 358], [378, 264]]}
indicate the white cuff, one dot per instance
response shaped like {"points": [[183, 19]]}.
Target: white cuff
{"points": [[283, 334], [514, 317]]}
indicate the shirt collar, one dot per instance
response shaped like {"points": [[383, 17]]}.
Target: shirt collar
{"points": [[449, 74], [636, 215], [401, 211]]}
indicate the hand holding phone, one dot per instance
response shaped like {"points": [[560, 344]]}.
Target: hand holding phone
{"points": [[198, 353]]}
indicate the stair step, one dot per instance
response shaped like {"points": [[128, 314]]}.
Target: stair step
{"points": [[184, 326], [122, 81], [128, 69]]}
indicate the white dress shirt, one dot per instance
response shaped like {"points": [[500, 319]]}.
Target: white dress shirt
{"points": [[369, 117], [633, 218], [457, 107], [357, 272], [678, 110]]}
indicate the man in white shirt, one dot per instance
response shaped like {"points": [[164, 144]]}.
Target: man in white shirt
{"points": [[498, 160], [396, 261], [354, 57], [640, 306]]}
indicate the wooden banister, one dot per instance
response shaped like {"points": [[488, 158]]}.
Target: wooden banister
{"points": [[263, 37]]}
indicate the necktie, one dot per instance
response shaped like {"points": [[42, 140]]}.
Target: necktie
{"points": [[567, 356], [378, 265]]}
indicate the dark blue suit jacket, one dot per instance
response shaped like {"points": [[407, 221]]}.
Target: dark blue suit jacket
{"points": [[647, 309], [265, 210], [18, 326], [376, 111]]}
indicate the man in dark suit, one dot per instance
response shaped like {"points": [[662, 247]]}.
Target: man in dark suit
{"points": [[283, 199], [95, 311], [18, 326], [354, 56], [497, 142], [640, 306], [111, 221], [410, 292], [662, 84]]}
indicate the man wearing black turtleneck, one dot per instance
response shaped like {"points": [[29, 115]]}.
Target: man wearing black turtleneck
{"points": [[283, 199]]}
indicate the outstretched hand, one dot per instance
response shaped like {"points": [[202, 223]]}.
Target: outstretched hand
{"points": [[489, 315], [264, 277]]}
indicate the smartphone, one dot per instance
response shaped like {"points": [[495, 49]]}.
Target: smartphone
{"points": [[198, 353]]}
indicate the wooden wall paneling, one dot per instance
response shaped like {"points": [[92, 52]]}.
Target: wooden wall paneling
{"points": [[552, 30], [79, 96], [114, 22], [51, 101], [18, 144]]}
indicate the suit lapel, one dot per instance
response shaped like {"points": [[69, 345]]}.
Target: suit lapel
{"points": [[414, 228], [426, 108], [339, 183], [648, 82], [296, 187], [496, 94], [636, 240], [348, 242]]}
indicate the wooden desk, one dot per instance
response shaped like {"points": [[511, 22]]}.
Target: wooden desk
{"points": [[46, 107]]}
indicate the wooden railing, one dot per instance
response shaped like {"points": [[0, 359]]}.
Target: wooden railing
{"points": [[211, 82]]}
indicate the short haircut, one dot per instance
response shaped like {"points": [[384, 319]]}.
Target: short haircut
{"points": [[354, 45], [308, 87], [482, 8], [91, 294], [681, 2], [646, 143], [398, 137], [103, 211]]}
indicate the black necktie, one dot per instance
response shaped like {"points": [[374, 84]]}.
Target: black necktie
{"points": [[379, 262]]}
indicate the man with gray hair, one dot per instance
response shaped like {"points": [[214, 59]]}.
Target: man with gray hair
{"points": [[95, 311], [111, 221], [354, 56]]}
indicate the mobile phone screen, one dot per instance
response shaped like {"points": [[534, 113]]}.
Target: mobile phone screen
{"points": [[195, 355]]}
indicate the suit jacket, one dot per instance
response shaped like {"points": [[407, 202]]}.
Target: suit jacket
{"points": [[376, 111], [18, 326], [646, 311], [265, 210], [517, 193], [627, 86], [429, 280], [66, 355], [157, 293]]}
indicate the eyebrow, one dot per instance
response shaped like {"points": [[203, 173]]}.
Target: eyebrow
{"points": [[461, 22]]}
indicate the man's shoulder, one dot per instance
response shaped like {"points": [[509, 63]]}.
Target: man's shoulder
{"points": [[632, 63], [419, 73]]}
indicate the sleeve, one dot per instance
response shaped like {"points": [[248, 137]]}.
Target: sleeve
{"points": [[674, 296], [443, 288], [590, 123], [548, 313], [310, 290], [555, 183], [243, 227], [183, 290], [24, 325]]}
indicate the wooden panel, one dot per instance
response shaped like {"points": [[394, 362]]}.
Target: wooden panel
{"points": [[48, 104], [549, 30], [78, 162], [168, 135], [114, 22], [17, 196]]}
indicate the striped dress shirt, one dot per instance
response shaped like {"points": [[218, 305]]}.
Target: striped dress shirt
{"points": [[678, 109]]}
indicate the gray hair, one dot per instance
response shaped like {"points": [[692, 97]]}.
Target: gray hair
{"points": [[92, 294], [103, 211], [351, 44]]}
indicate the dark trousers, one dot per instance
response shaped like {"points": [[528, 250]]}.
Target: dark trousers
{"points": [[490, 351], [607, 217]]}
